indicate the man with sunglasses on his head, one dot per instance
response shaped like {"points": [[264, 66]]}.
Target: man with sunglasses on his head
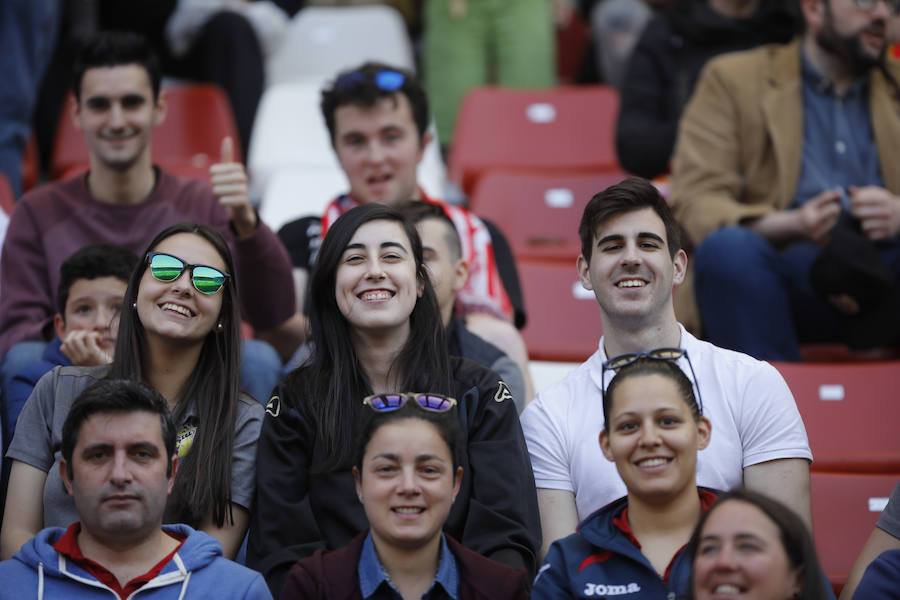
{"points": [[632, 259], [377, 117], [125, 199], [786, 179]]}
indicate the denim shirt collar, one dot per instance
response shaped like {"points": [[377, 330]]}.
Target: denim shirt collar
{"points": [[814, 80], [372, 575]]}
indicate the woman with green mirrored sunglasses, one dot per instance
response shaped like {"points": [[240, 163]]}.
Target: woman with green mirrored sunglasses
{"points": [[180, 333]]}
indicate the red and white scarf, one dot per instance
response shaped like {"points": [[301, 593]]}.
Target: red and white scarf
{"points": [[484, 291]]}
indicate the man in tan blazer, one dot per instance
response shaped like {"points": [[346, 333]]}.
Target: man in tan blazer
{"points": [[775, 144]]}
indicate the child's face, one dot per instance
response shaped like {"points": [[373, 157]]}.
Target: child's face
{"points": [[94, 305]]}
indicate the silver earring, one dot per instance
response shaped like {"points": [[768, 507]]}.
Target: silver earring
{"points": [[134, 305], [220, 327]]}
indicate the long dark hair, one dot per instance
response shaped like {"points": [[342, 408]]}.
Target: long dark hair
{"points": [[203, 480], [330, 386], [792, 531]]}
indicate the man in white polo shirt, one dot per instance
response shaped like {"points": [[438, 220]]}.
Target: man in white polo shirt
{"points": [[631, 259]]}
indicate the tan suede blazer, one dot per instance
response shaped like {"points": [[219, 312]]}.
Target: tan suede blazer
{"points": [[738, 153]]}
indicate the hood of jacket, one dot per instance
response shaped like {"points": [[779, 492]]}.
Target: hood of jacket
{"points": [[199, 550]]}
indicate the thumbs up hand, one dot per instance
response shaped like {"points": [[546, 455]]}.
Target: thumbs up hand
{"points": [[229, 183]]}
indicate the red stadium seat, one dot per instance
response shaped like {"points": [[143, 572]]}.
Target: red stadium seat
{"points": [[564, 321], [198, 117], [845, 507], [851, 414], [561, 129], [539, 213]]}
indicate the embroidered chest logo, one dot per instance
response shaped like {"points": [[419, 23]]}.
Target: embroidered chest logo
{"points": [[600, 589], [273, 406], [503, 392]]}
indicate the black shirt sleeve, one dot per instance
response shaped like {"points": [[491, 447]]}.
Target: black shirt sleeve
{"points": [[302, 237], [282, 527], [501, 519]]}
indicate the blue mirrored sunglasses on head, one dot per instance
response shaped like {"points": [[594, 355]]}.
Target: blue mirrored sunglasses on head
{"points": [[386, 80], [165, 267], [669, 354], [429, 402]]}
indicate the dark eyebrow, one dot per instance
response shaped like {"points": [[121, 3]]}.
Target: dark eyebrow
{"points": [[144, 446], [610, 238], [387, 456], [383, 245], [393, 245], [95, 448], [619, 238], [427, 457], [651, 235]]}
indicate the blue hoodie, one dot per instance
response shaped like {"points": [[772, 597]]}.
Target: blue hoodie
{"points": [[879, 582], [599, 561], [197, 570]]}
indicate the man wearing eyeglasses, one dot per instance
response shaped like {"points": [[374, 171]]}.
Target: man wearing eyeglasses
{"points": [[377, 117], [632, 259], [785, 172]]}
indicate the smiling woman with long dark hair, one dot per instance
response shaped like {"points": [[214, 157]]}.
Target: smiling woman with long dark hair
{"points": [[376, 328], [179, 331]]}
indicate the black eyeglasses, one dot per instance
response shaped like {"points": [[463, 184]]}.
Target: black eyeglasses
{"points": [[386, 80], [869, 5], [165, 267], [429, 402], [670, 354]]}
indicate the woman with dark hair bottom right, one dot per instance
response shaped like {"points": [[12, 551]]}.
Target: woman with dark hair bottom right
{"points": [[407, 475], [752, 547], [653, 429]]}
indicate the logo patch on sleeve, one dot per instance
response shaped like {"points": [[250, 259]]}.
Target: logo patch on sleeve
{"points": [[273, 406], [503, 392], [185, 439]]}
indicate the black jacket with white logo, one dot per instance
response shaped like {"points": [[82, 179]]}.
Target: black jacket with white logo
{"points": [[298, 510]]}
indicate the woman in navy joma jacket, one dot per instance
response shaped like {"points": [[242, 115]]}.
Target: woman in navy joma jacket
{"points": [[633, 547]]}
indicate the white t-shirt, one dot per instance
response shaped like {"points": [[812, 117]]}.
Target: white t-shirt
{"points": [[753, 414]]}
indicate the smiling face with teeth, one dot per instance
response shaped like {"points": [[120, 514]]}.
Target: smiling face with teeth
{"points": [[741, 556], [407, 484], [375, 285], [175, 311], [117, 113], [653, 439], [631, 271]]}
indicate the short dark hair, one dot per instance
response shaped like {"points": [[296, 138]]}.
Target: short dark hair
{"points": [[115, 49], [359, 87], [416, 212], [793, 532], [116, 396], [650, 366], [446, 423], [93, 262], [627, 196]]}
